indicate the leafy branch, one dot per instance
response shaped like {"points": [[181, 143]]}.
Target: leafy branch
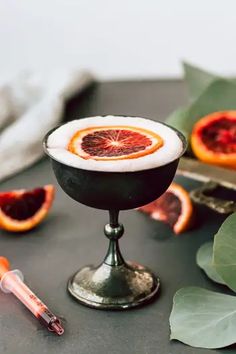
{"points": [[199, 317], [203, 318]]}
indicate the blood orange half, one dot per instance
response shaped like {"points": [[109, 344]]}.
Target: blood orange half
{"points": [[21, 210], [213, 139], [114, 142]]}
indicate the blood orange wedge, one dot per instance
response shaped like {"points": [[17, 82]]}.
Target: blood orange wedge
{"points": [[213, 139], [174, 208], [114, 142], [21, 210]]}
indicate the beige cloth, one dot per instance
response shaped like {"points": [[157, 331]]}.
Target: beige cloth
{"points": [[30, 105]]}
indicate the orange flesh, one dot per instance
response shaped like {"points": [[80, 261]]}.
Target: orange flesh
{"points": [[114, 143], [220, 136]]}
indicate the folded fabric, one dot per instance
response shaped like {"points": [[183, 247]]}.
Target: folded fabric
{"points": [[30, 105]]}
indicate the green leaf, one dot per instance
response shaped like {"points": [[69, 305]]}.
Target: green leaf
{"points": [[224, 251], [203, 318], [204, 261], [197, 79], [177, 120], [220, 95]]}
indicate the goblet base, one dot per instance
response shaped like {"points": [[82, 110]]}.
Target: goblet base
{"points": [[114, 287]]}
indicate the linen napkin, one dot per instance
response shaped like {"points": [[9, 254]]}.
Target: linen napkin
{"points": [[30, 105]]}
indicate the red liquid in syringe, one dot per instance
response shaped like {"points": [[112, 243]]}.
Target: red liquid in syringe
{"points": [[12, 282]]}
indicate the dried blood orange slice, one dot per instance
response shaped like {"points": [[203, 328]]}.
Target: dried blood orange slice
{"points": [[21, 210], [174, 208], [213, 139], [114, 142]]}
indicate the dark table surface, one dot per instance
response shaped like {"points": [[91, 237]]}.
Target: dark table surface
{"points": [[72, 236]]}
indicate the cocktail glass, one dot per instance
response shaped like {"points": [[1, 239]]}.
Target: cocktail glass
{"points": [[115, 283]]}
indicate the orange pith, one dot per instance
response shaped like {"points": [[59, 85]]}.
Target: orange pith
{"points": [[213, 139], [174, 207], [10, 223], [114, 143]]}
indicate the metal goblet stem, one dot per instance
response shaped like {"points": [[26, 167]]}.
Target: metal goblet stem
{"points": [[114, 284], [114, 231]]}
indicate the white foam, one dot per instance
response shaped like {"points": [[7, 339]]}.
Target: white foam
{"points": [[58, 141]]}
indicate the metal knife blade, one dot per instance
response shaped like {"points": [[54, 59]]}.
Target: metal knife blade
{"points": [[203, 172]]}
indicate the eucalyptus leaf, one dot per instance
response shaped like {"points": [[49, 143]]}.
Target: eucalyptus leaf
{"points": [[177, 119], [203, 318], [224, 251], [197, 79], [204, 261], [220, 95]]}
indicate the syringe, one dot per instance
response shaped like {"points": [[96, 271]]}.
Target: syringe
{"points": [[11, 281]]}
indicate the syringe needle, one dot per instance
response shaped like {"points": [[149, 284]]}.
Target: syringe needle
{"points": [[11, 281]]}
